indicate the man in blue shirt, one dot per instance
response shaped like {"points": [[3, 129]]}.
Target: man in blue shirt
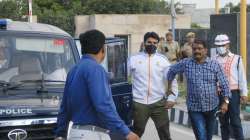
{"points": [[87, 99], [203, 75]]}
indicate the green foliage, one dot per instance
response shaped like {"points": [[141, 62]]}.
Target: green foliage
{"points": [[13, 9], [54, 13], [195, 26], [234, 8], [61, 12]]}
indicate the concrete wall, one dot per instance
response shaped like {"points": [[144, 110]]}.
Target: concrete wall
{"points": [[188, 8], [199, 16], [133, 25], [202, 17]]}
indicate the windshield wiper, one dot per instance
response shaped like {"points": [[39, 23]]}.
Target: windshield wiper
{"points": [[5, 86], [41, 80], [42, 90], [4, 83], [41, 83]]}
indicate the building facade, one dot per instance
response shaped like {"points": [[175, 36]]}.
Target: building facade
{"points": [[132, 27]]}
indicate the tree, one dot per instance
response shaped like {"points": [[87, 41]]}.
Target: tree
{"points": [[13, 9], [61, 12], [54, 12], [233, 8], [195, 26]]}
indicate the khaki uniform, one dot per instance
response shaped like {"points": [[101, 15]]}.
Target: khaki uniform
{"points": [[186, 50], [171, 51]]}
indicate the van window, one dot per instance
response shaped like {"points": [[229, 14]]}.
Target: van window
{"points": [[117, 62], [40, 45], [34, 58]]}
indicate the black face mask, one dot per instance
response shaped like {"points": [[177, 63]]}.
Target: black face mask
{"points": [[150, 49]]}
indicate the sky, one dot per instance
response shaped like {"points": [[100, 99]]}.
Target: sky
{"points": [[208, 3]]}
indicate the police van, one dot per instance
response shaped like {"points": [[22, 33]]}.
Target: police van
{"points": [[34, 61]]}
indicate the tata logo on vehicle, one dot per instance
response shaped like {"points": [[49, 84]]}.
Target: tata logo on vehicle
{"points": [[17, 134]]}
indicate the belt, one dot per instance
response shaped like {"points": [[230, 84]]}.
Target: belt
{"points": [[91, 128]]}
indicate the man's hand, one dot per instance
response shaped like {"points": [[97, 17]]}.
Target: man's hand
{"points": [[243, 99], [224, 107], [132, 136], [169, 104]]}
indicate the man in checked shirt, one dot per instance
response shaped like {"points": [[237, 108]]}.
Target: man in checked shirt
{"points": [[202, 75]]}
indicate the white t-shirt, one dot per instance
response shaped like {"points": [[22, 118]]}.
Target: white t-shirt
{"points": [[149, 79]]}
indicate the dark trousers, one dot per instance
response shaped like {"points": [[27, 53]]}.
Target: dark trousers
{"points": [[159, 115], [232, 119], [203, 124]]}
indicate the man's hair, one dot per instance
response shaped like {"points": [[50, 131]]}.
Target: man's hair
{"points": [[200, 41], [169, 33], [151, 34], [92, 41]]}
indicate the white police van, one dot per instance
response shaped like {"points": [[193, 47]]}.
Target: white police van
{"points": [[34, 61]]}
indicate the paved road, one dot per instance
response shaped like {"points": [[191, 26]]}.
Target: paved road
{"points": [[178, 132]]}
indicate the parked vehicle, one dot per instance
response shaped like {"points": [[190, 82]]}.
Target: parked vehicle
{"points": [[34, 61]]}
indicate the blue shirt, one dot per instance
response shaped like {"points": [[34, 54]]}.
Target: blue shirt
{"points": [[202, 81], [87, 99]]}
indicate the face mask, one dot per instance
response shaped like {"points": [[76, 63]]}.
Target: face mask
{"points": [[150, 49], [221, 50]]}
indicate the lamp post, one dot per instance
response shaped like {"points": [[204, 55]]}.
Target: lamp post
{"points": [[30, 11], [217, 7], [173, 15], [243, 32]]}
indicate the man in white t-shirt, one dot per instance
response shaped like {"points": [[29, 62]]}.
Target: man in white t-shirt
{"points": [[148, 71]]}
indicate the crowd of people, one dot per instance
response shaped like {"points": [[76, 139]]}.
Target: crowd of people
{"points": [[214, 86]]}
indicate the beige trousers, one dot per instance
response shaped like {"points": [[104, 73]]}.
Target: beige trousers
{"points": [[80, 134]]}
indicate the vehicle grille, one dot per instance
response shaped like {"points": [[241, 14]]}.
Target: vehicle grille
{"points": [[34, 132]]}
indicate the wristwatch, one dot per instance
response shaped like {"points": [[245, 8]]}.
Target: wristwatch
{"points": [[226, 101]]}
